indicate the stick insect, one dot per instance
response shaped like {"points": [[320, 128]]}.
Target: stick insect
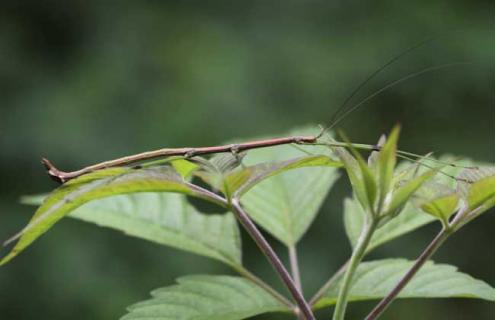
{"points": [[338, 116], [302, 309]]}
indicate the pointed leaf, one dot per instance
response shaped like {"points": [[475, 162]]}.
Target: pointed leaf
{"points": [[367, 176], [206, 298], [402, 194], [243, 180], [482, 194], [442, 208], [386, 163], [100, 184], [184, 167], [354, 173], [369, 183], [471, 175], [375, 279], [286, 204], [408, 220]]}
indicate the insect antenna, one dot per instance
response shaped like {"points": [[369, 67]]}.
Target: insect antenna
{"points": [[372, 75], [390, 85]]}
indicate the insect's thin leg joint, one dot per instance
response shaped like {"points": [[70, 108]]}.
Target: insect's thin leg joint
{"points": [[235, 149], [190, 153]]}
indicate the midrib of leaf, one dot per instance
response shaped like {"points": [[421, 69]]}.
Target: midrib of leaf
{"points": [[287, 211], [375, 279]]}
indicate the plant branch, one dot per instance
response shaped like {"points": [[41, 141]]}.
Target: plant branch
{"points": [[272, 258], [213, 197], [357, 255], [62, 176], [427, 253]]}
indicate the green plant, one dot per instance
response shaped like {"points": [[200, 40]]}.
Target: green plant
{"points": [[279, 185]]}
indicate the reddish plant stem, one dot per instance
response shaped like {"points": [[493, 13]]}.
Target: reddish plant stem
{"points": [[427, 253], [63, 176], [274, 260]]}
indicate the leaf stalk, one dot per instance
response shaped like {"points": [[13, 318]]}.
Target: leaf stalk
{"points": [[357, 255]]}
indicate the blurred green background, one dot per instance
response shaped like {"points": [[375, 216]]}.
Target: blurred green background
{"points": [[86, 81]]}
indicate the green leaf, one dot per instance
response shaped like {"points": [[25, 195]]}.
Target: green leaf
{"points": [[286, 204], [167, 219], [369, 182], [243, 180], [482, 194], [354, 173], [471, 175], [386, 163], [442, 208], [226, 162], [403, 193], [163, 218], [408, 220], [96, 185], [216, 171], [375, 279], [367, 176], [206, 298], [184, 167]]}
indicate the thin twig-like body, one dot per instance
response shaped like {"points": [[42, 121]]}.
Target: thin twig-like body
{"points": [[62, 176]]}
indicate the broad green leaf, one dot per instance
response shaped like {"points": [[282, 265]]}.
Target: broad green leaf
{"points": [[206, 298], [442, 208], [386, 163], [375, 279], [245, 179], [100, 184], [286, 204], [482, 194], [408, 220], [167, 219]]}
